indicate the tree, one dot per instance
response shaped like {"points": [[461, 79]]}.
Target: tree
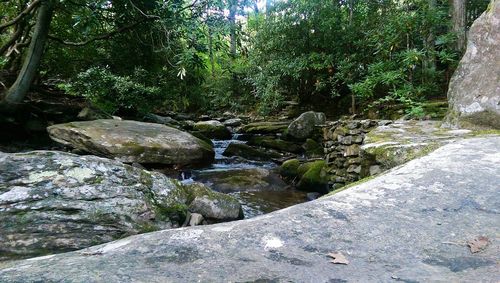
{"points": [[18, 90], [459, 22]]}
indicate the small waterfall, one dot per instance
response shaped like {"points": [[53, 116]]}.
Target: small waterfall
{"points": [[221, 145]]}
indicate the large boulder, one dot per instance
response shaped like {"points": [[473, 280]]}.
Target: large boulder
{"points": [[303, 127], [213, 129], [132, 141], [54, 202], [474, 93]]}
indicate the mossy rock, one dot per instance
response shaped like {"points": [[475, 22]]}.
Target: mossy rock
{"points": [[238, 180], [202, 137], [435, 109], [275, 143], [480, 121], [290, 168], [303, 168], [132, 141], [213, 129], [315, 179], [265, 128]]}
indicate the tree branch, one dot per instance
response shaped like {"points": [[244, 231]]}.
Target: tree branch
{"points": [[98, 37], [21, 15], [142, 13], [17, 34]]}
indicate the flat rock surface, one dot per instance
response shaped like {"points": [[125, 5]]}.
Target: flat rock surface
{"points": [[399, 142], [410, 224]]}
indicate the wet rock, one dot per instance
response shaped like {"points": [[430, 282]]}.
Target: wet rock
{"points": [[249, 152], [234, 122], [265, 128], [217, 209], [213, 129], [474, 92], [132, 141], [304, 126], [290, 168], [275, 143], [254, 179]]}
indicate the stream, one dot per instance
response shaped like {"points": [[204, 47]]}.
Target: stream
{"points": [[257, 196]]}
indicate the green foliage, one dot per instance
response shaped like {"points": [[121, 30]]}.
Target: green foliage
{"points": [[149, 55], [380, 51], [112, 92]]}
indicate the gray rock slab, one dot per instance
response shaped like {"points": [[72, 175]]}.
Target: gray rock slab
{"points": [[410, 224], [132, 141]]}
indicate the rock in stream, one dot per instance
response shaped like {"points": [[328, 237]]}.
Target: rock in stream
{"points": [[132, 141]]}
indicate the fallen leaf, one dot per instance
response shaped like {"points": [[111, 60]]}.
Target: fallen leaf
{"points": [[478, 244], [338, 258]]}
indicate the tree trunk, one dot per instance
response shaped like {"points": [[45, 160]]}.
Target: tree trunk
{"points": [[459, 22], [430, 61], [353, 96], [18, 90]]}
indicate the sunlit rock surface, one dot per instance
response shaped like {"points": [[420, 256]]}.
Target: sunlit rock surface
{"points": [[411, 224]]}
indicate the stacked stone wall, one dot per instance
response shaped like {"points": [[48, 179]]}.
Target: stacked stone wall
{"points": [[342, 142]]}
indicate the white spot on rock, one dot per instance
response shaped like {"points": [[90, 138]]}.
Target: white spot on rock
{"points": [[225, 228], [113, 246], [40, 258], [272, 242], [191, 234], [41, 176], [80, 174], [472, 108], [15, 194]]}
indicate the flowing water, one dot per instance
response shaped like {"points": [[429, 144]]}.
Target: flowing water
{"points": [[256, 200]]}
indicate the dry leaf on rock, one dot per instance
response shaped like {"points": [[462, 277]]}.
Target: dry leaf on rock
{"points": [[478, 244], [338, 258]]}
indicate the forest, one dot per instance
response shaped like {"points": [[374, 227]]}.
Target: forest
{"points": [[131, 57], [249, 140]]}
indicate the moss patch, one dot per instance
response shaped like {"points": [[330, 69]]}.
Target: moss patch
{"points": [[290, 168], [274, 143], [315, 179], [265, 128]]}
